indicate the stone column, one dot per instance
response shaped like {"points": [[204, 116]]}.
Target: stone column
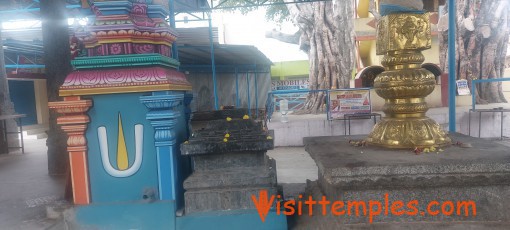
{"points": [[73, 122], [6, 106], [163, 118], [57, 61], [188, 97]]}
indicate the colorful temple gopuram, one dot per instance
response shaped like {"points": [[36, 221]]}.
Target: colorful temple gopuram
{"points": [[126, 111]]}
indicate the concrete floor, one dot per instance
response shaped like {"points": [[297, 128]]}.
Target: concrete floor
{"points": [[294, 167], [26, 189]]}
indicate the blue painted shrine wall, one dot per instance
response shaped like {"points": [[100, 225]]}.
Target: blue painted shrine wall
{"points": [[104, 112]]}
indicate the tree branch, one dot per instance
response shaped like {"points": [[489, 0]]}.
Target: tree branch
{"points": [[283, 37]]}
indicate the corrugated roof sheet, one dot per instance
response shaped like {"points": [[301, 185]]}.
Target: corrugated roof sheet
{"points": [[223, 55], [196, 36]]}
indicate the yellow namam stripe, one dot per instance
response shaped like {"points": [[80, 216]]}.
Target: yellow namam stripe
{"points": [[122, 155]]}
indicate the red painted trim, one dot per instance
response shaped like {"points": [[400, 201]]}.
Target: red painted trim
{"points": [[79, 175]]}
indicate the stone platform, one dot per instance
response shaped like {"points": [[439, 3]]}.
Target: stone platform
{"points": [[346, 173], [230, 164]]}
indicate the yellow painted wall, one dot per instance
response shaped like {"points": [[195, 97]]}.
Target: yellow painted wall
{"points": [[432, 54], [363, 8], [290, 69], [41, 101], [374, 59]]}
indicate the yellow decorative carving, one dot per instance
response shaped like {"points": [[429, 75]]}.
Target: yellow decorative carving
{"points": [[122, 155], [122, 89], [402, 32], [404, 85]]}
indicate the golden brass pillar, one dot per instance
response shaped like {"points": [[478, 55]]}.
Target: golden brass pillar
{"points": [[404, 85]]}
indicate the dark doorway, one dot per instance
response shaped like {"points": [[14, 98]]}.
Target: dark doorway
{"points": [[23, 97]]}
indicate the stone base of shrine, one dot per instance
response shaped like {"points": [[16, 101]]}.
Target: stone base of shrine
{"points": [[161, 215], [369, 186], [227, 181]]}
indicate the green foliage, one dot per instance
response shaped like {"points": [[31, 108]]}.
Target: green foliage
{"points": [[278, 13], [276, 10]]}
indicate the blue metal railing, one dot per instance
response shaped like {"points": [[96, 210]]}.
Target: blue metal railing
{"points": [[473, 84], [451, 66]]}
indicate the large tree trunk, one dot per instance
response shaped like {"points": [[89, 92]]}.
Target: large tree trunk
{"points": [[57, 61], [327, 34], [482, 26]]}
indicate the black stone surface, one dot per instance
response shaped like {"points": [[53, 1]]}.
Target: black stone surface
{"points": [[245, 135], [228, 170], [339, 162], [219, 114], [347, 173]]}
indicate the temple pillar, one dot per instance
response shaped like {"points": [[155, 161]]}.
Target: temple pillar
{"points": [[188, 97], [404, 84], [73, 121], [164, 119], [55, 34], [6, 106]]}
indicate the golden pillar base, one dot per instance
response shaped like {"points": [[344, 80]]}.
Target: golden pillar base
{"points": [[408, 133], [404, 85]]}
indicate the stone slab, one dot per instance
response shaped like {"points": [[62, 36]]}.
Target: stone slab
{"points": [[346, 173], [232, 178], [222, 136], [228, 188], [229, 160], [340, 163], [218, 146], [219, 114], [223, 199]]}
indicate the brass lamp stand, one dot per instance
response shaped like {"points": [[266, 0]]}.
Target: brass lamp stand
{"points": [[404, 85]]}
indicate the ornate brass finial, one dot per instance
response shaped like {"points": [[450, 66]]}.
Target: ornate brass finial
{"points": [[404, 85]]}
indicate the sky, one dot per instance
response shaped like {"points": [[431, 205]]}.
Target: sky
{"points": [[251, 29], [238, 29]]}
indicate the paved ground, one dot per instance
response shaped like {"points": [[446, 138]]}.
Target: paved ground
{"points": [[294, 166], [26, 189]]}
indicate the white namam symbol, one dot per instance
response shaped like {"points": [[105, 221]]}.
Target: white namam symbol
{"points": [[122, 154]]}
